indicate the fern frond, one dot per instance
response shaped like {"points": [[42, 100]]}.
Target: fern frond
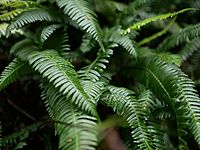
{"points": [[92, 72], [60, 72], [76, 130], [13, 72], [10, 15], [20, 135], [124, 103], [125, 42], [190, 48], [138, 25], [78, 11], [93, 89], [169, 84], [30, 17], [64, 46], [188, 33], [47, 31]]}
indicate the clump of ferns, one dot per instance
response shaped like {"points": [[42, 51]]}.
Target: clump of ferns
{"points": [[71, 96]]}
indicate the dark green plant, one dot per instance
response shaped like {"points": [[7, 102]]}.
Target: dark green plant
{"points": [[75, 48]]}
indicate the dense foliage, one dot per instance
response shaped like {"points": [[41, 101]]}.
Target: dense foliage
{"points": [[126, 70]]}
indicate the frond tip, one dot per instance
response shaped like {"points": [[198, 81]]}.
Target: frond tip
{"points": [[78, 11], [13, 72]]}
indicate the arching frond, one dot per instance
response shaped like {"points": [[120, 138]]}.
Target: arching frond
{"points": [[92, 72], [188, 33], [20, 135], [124, 103], [60, 72], [78, 11], [13, 72], [190, 48], [171, 85], [76, 130], [138, 25], [30, 17], [47, 31]]}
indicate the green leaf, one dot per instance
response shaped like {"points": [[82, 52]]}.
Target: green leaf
{"points": [[76, 130], [142, 23]]}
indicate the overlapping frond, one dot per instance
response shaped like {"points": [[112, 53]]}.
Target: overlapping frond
{"points": [[47, 31], [171, 85], [125, 104], [12, 72], [32, 16], [188, 33], [76, 130], [60, 72], [124, 41], [92, 72], [78, 11]]}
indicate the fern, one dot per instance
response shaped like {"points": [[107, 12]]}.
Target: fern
{"points": [[30, 17], [124, 103], [124, 41], [190, 48], [92, 72], [59, 72], [47, 31], [76, 130], [78, 11], [172, 86], [138, 25], [186, 34], [64, 46], [10, 15], [13, 72]]}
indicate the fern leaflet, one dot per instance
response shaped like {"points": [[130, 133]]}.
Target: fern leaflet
{"points": [[47, 31]]}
